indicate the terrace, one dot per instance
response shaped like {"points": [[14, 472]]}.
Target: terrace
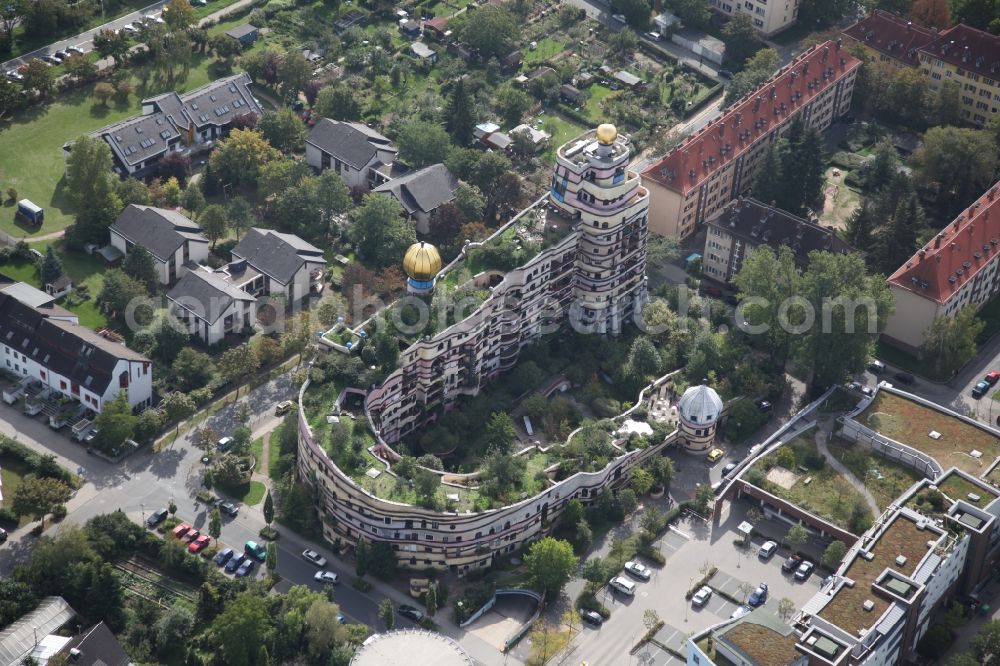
{"points": [[912, 423], [957, 487], [902, 541], [763, 644]]}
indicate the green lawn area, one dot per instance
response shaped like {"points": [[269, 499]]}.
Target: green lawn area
{"points": [[958, 488], [31, 155], [273, 453], [907, 362], [112, 10], [250, 493], [257, 451], [562, 130], [861, 460], [546, 48], [592, 109]]}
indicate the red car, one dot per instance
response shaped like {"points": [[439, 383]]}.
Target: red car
{"points": [[200, 543], [992, 376], [181, 530], [190, 536]]}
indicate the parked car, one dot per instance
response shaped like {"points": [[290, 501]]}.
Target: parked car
{"points": [[129, 29], [702, 596], [76, 49], [715, 455], [410, 612], [993, 376], [740, 612], [764, 406], [51, 60], [3, 535], [728, 468], [804, 571], [255, 550], [200, 543], [157, 517], [191, 535], [62, 55], [228, 507], [91, 436], [767, 550], [592, 617], [904, 378], [655, 36], [326, 577], [758, 596], [638, 569], [224, 444], [15, 75], [791, 563], [868, 391], [623, 585], [181, 530], [223, 556], [980, 389], [877, 366], [725, 73], [620, 18], [712, 291], [283, 407], [314, 557], [341, 619], [235, 561], [245, 568]]}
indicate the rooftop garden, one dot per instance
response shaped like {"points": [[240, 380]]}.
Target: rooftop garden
{"points": [[884, 478], [846, 609], [959, 488], [798, 473], [764, 645], [911, 423]]}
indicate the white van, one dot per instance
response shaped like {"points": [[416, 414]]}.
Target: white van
{"points": [[623, 585]]}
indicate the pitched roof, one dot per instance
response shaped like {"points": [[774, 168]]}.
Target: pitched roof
{"points": [[422, 190], [892, 35], [353, 143], [159, 230], [276, 254], [241, 31], [957, 254], [700, 404], [98, 647], [206, 295], [18, 639], [685, 167], [759, 224], [972, 50], [65, 348]]}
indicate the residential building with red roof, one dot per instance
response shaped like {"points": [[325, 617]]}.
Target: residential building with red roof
{"points": [[958, 267], [891, 38], [769, 18], [971, 58], [716, 165]]}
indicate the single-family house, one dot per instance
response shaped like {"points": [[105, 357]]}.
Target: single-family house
{"points": [[287, 265], [409, 27], [421, 192], [245, 34], [584, 79], [490, 136], [437, 29], [175, 242], [211, 306], [536, 137], [422, 52], [570, 94], [59, 287], [41, 343], [360, 155], [176, 123], [629, 80], [511, 62], [96, 646]]}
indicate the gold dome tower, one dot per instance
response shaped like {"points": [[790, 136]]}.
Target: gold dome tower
{"points": [[606, 134], [421, 263]]}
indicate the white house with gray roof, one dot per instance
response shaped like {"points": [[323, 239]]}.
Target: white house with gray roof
{"points": [[361, 156], [175, 242], [210, 305], [421, 192], [286, 265], [173, 122]]}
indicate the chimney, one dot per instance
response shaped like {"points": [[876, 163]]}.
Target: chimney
{"points": [[921, 253], [937, 241]]}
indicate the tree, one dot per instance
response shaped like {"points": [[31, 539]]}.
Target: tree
{"points": [[422, 143], [387, 613], [213, 221], [650, 619], [10, 14], [293, 72], [458, 118], [785, 608], [193, 201], [178, 406], [769, 178], [642, 481], [90, 186], [931, 14], [662, 469], [986, 643], [114, 424], [833, 554], [283, 129], [215, 524], [797, 535], [703, 496], [361, 558], [636, 12], [491, 30], [431, 600], [960, 160], [268, 509], [896, 240], [10, 97], [51, 269], [206, 438], [807, 161], [511, 103], [271, 561], [643, 360], [179, 14], [339, 102], [80, 67], [38, 77], [693, 12], [380, 231], [240, 215], [139, 265], [240, 629], [883, 167], [741, 37], [550, 563], [239, 363], [239, 158], [38, 496], [192, 369], [756, 70], [499, 434], [951, 341]]}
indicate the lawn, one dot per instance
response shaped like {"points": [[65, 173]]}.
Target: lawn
{"points": [[895, 478], [257, 451], [592, 109], [31, 154], [546, 49], [958, 488], [823, 492], [12, 471], [909, 422], [273, 453], [909, 362], [113, 10], [562, 130], [249, 493]]}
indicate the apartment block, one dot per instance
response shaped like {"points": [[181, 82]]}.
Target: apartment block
{"points": [[956, 268], [971, 58], [890, 38], [769, 16], [711, 168]]}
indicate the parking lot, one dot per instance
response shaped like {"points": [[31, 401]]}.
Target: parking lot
{"points": [[689, 550]]}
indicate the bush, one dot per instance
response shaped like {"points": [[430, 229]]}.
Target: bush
{"points": [[59, 512], [361, 584], [588, 599], [8, 517], [847, 161], [269, 533]]}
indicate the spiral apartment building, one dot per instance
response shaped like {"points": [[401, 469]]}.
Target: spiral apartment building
{"points": [[589, 273]]}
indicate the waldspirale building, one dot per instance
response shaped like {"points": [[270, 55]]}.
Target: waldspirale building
{"points": [[592, 276]]}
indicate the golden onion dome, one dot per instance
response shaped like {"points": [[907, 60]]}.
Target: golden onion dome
{"points": [[422, 261], [606, 134]]}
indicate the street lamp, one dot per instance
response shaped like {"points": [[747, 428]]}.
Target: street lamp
{"points": [[142, 508], [688, 605]]}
